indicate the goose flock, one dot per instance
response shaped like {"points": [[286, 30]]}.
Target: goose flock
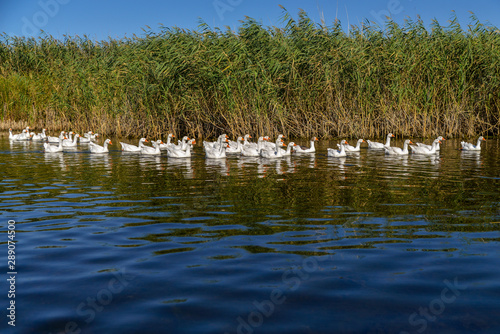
{"points": [[223, 146]]}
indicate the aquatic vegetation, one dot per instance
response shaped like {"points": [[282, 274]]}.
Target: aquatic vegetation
{"points": [[301, 79]]}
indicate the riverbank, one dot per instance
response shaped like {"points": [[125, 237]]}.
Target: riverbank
{"points": [[301, 80]]}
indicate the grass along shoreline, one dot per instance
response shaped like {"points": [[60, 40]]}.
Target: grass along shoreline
{"points": [[301, 80]]}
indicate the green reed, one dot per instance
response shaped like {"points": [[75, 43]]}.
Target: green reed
{"points": [[300, 79]]}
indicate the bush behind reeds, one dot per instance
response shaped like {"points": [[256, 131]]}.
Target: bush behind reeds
{"points": [[300, 79]]}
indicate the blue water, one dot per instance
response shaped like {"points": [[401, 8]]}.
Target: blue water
{"points": [[121, 243]]}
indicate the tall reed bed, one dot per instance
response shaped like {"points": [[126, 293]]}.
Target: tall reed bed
{"points": [[300, 79]]}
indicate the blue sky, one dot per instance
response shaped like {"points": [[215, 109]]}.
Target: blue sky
{"points": [[100, 19]]}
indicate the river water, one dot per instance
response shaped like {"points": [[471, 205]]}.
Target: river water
{"points": [[122, 243]]}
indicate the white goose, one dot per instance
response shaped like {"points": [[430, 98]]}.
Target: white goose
{"points": [[173, 151], [26, 135], [288, 151], [272, 146], [12, 136], [340, 152], [276, 153], [168, 143], [216, 153], [86, 137], [426, 149], [303, 149], [380, 146], [235, 148], [251, 151], [438, 148], [68, 143], [93, 136], [39, 137], [216, 144], [398, 150], [52, 148], [23, 136], [181, 144], [234, 144], [357, 148], [245, 140], [94, 148], [247, 144], [69, 139], [55, 140], [155, 150], [470, 147], [132, 148]]}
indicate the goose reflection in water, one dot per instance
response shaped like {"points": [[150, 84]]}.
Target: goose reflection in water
{"points": [[433, 160], [219, 165], [401, 160], [281, 166], [182, 164], [100, 161], [428, 164], [54, 159], [17, 144], [292, 165], [245, 162], [338, 163], [150, 161], [471, 159]]}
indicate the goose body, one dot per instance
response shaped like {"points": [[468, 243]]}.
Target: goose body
{"points": [[245, 140], [426, 149], [132, 148], [398, 150], [356, 148], [23, 136], [275, 153], [340, 152], [163, 146], [234, 144], [235, 148], [52, 148], [470, 147], [438, 148], [216, 153], [250, 145], [93, 136], [173, 151], [55, 140], [13, 137], [288, 151], [303, 149], [379, 146], [86, 137], [68, 143], [272, 146], [155, 150], [216, 144], [181, 145], [39, 137], [68, 140], [95, 148], [251, 150]]}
